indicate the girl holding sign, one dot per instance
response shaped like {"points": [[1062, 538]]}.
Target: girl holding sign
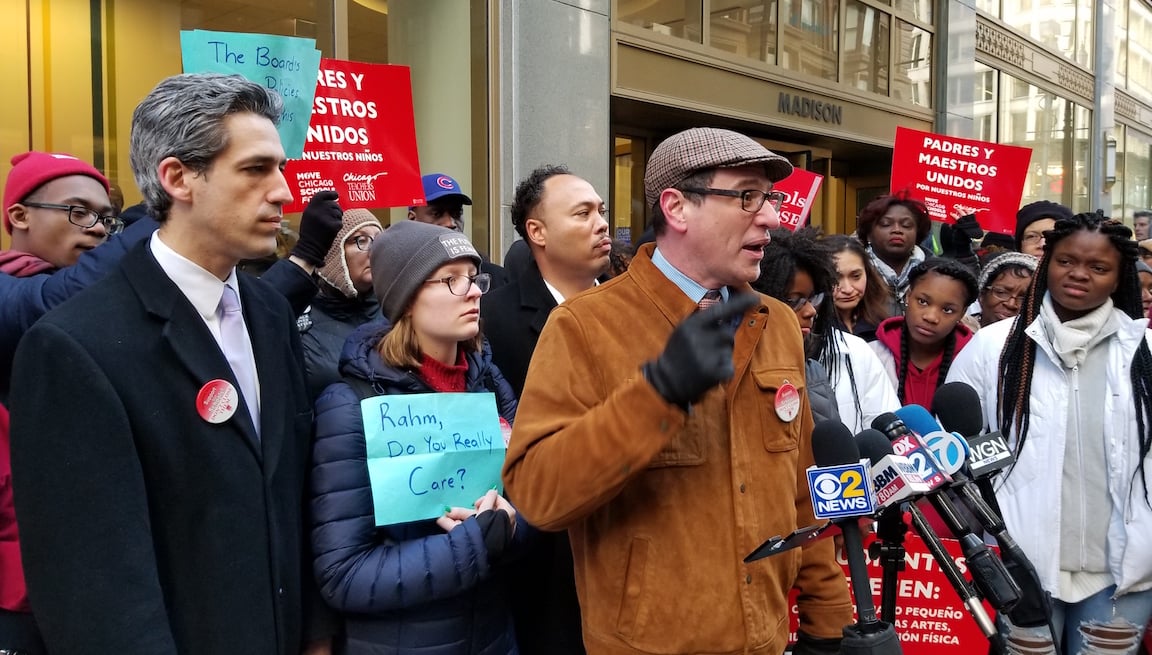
{"points": [[1069, 383], [434, 586]]}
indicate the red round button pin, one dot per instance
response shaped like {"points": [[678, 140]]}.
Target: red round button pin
{"points": [[787, 402], [505, 431], [217, 401]]}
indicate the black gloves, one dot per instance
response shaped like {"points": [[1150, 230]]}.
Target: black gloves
{"points": [[698, 355], [321, 221], [496, 528], [806, 645], [968, 226]]}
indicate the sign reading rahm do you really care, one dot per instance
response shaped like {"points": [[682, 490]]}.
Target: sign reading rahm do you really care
{"points": [[431, 450]]}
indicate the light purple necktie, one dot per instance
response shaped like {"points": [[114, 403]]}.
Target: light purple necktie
{"points": [[237, 349]]}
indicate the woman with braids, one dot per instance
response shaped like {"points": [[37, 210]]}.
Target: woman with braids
{"points": [[796, 271], [891, 226], [861, 296], [917, 348], [1069, 382]]}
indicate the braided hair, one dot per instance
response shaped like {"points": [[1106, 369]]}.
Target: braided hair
{"points": [[957, 271], [1018, 358], [787, 253]]}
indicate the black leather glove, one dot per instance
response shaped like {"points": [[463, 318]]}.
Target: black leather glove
{"points": [[496, 527], [807, 645], [969, 227], [698, 355], [321, 221]]}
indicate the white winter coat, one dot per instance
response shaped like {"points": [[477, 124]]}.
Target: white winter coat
{"points": [[1030, 496], [877, 395]]}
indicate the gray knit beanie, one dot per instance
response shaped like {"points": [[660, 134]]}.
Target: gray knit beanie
{"points": [[1002, 261], [335, 268], [403, 257]]}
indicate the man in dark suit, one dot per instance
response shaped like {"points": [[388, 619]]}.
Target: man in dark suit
{"points": [[160, 432], [562, 219]]}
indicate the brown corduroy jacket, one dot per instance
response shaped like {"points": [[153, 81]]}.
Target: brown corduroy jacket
{"points": [[662, 505]]}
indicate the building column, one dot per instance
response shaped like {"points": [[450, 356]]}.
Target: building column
{"points": [[553, 91]]}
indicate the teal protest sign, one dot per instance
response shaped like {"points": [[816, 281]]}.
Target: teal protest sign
{"points": [[287, 64], [430, 450]]}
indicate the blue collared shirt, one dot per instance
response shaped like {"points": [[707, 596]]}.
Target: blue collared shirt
{"points": [[690, 287]]}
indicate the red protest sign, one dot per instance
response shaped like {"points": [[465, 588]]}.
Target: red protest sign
{"points": [[930, 619], [955, 177], [801, 188], [361, 139]]}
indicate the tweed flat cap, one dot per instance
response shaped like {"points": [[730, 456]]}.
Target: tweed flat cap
{"points": [[700, 148]]}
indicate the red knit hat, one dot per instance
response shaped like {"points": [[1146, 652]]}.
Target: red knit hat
{"points": [[31, 170]]}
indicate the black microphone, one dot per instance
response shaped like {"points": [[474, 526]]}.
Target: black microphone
{"points": [[988, 572], [876, 449], [841, 490], [958, 407]]}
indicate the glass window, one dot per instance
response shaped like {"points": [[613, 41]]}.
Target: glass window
{"points": [[912, 70], [920, 9], [1057, 130], [991, 7], [809, 36], [1139, 52], [744, 27], [1120, 54], [866, 38], [678, 18], [984, 103], [1079, 148], [1063, 25], [1137, 171]]}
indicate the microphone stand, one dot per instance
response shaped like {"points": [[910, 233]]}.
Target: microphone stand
{"points": [[889, 549], [964, 590], [869, 635]]}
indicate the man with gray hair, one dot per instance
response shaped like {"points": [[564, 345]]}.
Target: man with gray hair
{"points": [[160, 423], [664, 424]]}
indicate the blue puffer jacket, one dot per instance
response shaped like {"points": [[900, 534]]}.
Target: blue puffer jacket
{"points": [[409, 588]]}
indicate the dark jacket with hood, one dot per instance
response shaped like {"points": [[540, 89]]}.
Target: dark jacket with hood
{"points": [[324, 327], [410, 588]]}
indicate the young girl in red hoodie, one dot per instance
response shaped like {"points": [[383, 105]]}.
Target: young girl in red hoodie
{"points": [[918, 347]]}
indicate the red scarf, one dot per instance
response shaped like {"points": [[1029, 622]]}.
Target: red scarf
{"points": [[441, 377], [22, 264]]}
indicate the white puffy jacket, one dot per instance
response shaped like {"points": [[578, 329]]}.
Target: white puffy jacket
{"points": [[1030, 496], [877, 395]]}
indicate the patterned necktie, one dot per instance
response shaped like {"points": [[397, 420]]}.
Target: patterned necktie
{"points": [[709, 299], [237, 349]]}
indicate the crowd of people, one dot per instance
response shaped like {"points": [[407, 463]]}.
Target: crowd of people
{"points": [[183, 455]]}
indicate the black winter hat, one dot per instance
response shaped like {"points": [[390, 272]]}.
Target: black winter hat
{"points": [[1035, 211]]}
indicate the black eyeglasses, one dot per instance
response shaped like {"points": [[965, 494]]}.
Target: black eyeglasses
{"points": [[796, 303], [751, 200], [81, 216], [458, 285], [363, 242]]}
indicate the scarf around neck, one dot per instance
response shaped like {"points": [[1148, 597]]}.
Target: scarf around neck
{"points": [[898, 283], [1072, 340]]}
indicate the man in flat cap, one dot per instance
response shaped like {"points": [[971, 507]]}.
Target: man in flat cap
{"points": [[674, 440]]}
